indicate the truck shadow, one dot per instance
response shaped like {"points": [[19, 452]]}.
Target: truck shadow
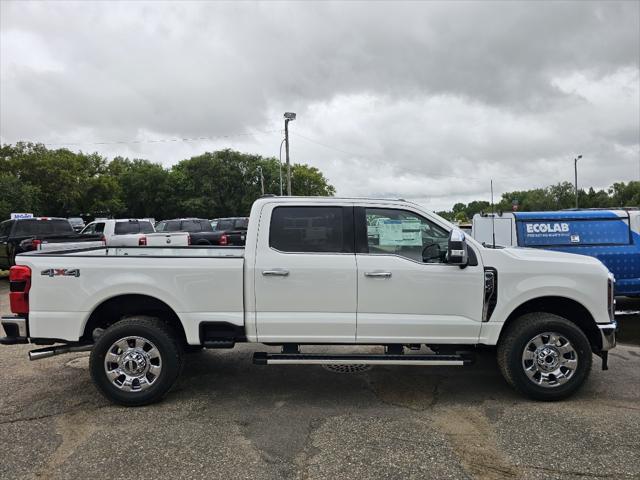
{"points": [[230, 376]]}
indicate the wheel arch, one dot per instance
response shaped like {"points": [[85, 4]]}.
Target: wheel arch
{"points": [[119, 307], [564, 307]]}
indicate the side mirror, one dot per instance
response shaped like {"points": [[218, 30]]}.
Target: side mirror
{"points": [[457, 251]]}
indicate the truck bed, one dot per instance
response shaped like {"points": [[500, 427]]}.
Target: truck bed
{"points": [[199, 284]]}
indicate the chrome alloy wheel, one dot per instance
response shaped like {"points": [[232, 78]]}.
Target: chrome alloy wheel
{"points": [[133, 364], [549, 360]]}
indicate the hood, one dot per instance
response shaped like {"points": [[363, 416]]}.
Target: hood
{"points": [[538, 254]]}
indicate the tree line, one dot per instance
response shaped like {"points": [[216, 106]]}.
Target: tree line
{"points": [[59, 182], [554, 197]]}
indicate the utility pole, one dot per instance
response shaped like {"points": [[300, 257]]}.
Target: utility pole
{"points": [[575, 166], [261, 179], [288, 116], [280, 157]]}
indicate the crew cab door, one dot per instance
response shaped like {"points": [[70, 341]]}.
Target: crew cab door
{"points": [[405, 298], [305, 274]]}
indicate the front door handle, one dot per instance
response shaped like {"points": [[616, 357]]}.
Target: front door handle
{"points": [[275, 272], [378, 274]]}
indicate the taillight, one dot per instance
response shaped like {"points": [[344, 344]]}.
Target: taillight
{"points": [[36, 244], [224, 240], [19, 286], [103, 239], [142, 241], [188, 239]]}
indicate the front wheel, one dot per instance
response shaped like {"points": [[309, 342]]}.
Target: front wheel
{"points": [[544, 356], [136, 361]]}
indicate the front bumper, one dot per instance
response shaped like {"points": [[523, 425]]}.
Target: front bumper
{"points": [[15, 329], [608, 334]]}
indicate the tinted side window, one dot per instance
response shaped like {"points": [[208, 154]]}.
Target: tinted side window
{"points": [[311, 229], [161, 227], [404, 233], [99, 227]]}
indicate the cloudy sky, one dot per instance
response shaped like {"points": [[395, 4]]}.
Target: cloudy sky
{"points": [[421, 100]]}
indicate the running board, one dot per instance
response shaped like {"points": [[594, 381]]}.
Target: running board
{"points": [[264, 358]]}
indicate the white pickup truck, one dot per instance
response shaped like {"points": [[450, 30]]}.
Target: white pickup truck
{"points": [[125, 232], [315, 271]]}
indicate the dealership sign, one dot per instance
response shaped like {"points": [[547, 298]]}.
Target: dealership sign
{"points": [[18, 216]]}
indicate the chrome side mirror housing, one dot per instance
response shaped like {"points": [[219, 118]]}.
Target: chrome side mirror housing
{"points": [[457, 250]]}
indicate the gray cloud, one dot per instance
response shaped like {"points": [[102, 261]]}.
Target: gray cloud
{"points": [[421, 100]]}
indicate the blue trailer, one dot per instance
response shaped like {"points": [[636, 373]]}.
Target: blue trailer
{"points": [[612, 236]]}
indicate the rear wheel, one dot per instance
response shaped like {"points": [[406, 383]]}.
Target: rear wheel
{"points": [[544, 356], [136, 361]]}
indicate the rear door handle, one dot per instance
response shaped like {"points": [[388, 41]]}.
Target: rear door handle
{"points": [[275, 272], [378, 274]]}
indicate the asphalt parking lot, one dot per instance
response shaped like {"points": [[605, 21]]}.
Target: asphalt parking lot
{"points": [[229, 419]]}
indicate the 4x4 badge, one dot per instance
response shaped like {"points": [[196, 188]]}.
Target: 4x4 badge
{"points": [[61, 272]]}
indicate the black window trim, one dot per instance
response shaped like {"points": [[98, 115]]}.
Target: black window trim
{"points": [[348, 237]]}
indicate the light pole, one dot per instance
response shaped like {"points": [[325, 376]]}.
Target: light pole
{"points": [[575, 166], [288, 116], [281, 143]]}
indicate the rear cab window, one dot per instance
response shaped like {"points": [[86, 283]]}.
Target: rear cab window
{"points": [[133, 227], [301, 229], [25, 228]]}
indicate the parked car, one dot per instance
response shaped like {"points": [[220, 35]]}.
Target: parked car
{"points": [[77, 223], [199, 230], [611, 236], [311, 274], [133, 232], [40, 233], [232, 231]]}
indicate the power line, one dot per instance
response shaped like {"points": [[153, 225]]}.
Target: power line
{"points": [[162, 140]]}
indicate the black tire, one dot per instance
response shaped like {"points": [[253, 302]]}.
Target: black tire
{"points": [[203, 243], [158, 334], [518, 337]]}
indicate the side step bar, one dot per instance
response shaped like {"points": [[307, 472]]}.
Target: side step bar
{"points": [[264, 358]]}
